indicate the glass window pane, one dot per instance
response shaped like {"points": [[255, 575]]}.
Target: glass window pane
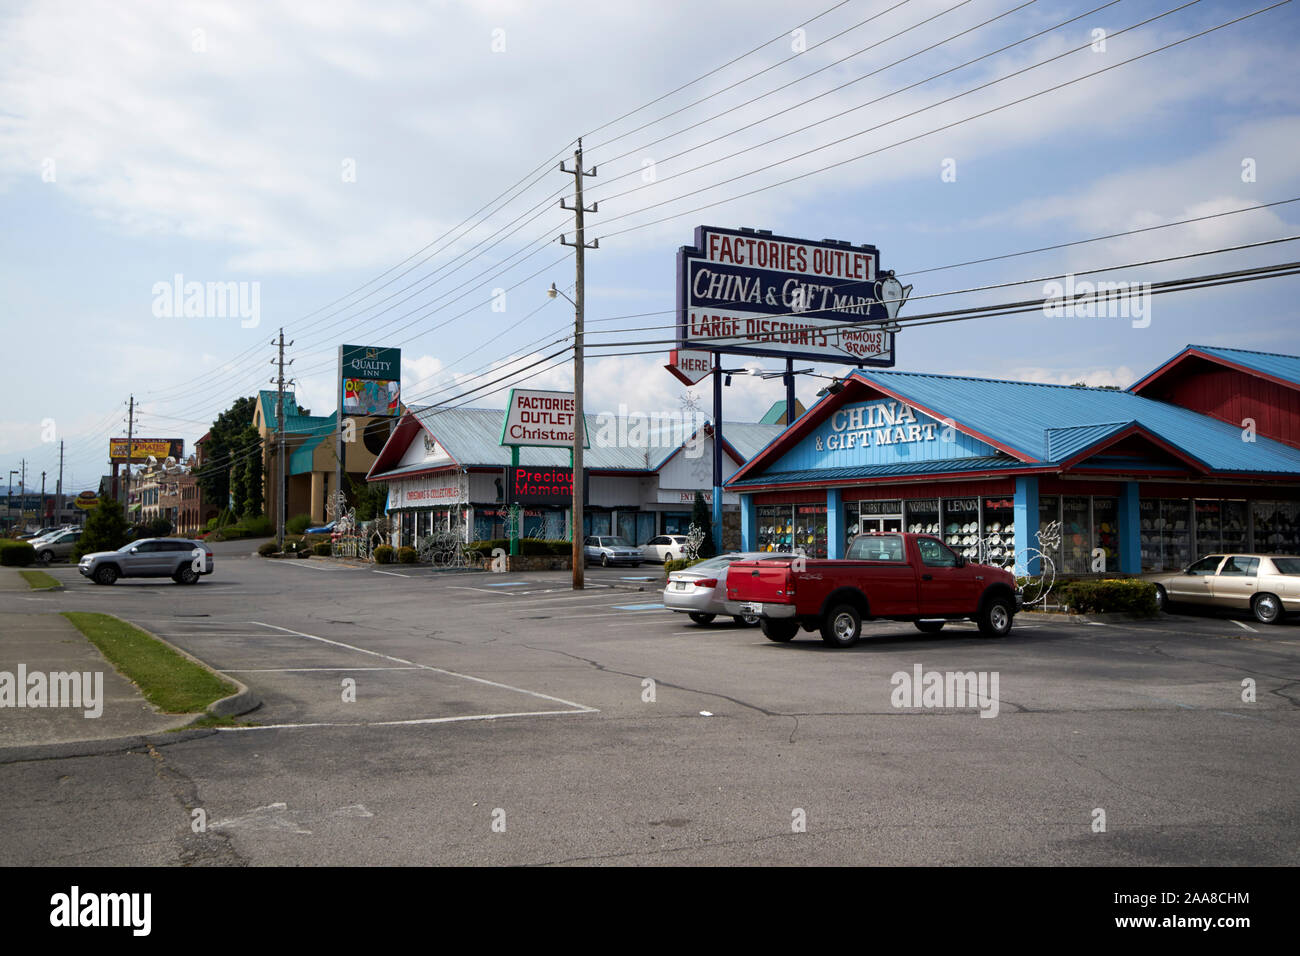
{"points": [[961, 525], [1076, 539], [1105, 529]]}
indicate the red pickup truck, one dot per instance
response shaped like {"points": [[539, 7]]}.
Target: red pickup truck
{"points": [[896, 577]]}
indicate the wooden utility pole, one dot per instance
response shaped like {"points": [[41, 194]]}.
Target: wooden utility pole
{"points": [[579, 421], [282, 480], [130, 449]]}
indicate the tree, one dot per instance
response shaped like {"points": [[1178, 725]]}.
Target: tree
{"points": [[105, 529], [214, 475], [254, 473], [702, 518], [238, 480], [369, 500]]}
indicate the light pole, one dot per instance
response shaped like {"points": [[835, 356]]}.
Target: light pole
{"points": [[9, 501], [579, 433]]}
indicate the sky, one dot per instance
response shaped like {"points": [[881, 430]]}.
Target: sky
{"points": [[386, 174]]}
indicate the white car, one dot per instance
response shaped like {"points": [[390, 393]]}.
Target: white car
{"points": [[666, 547]]}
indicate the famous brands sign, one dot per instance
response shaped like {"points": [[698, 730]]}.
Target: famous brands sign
{"points": [[141, 449], [543, 419], [370, 380], [757, 294]]}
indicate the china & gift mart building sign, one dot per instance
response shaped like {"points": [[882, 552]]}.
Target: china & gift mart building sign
{"points": [[1199, 456], [445, 471]]}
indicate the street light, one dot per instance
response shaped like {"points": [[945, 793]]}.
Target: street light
{"points": [[579, 432]]}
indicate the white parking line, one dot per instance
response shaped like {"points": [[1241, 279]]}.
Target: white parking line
{"points": [[415, 722], [392, 573], [302, 670], [581, 708], [1245, 627]]}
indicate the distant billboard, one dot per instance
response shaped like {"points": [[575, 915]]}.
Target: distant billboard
{"points": [[752, 293], [142, 449], [370, 380]]}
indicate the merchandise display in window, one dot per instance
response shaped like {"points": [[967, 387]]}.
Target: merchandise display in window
{"points": [[1076, 527], [1234, 524], [1277, 526], [998, 532], [923, 516], [961, 526], [775, 527], [810, 529], [1105, 530], [1049, 511]]}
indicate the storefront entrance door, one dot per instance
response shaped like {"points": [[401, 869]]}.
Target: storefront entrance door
{"points": [[874, 524]]}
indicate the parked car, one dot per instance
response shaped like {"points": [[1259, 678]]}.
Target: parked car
{"points": [[897, 577], [610, 549], [57, 546], [181, 559], [665, 547], [1267, 585], [700, 591], [33, 536]]}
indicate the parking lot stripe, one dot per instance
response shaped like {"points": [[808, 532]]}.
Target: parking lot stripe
{"points": [[1245, 627], [637, 607], [394, 574], [305, 670], [582, 708], [415, 721]]}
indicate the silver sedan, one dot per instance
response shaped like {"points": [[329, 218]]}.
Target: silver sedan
{"points": [[700, 591]]}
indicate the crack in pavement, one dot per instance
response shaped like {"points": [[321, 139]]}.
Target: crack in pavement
{"points": [[206, 847]]}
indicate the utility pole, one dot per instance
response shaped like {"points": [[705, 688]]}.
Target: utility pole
{"points": [[58, 489], [130, 451], [282, 480], [579, 420], [41, 520], [22, 490]]}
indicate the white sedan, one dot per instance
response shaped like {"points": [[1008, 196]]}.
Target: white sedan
{"points": [[666, 547]]}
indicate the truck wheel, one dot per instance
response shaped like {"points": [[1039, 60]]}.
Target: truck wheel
{"points": [[995, 617], [106, 575], [842, 626], [701, 618], [930, 627], [779, 631]]}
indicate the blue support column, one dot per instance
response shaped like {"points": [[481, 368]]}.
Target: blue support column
{"points": [[748, 523], [1130, 543], [1026, 518], [834, 523]]}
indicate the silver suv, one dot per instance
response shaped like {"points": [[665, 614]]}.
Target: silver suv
{"points": [[182, 560]]}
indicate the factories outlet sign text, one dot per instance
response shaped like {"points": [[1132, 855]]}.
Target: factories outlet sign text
{"points": [[540, 418], [753, 293]]}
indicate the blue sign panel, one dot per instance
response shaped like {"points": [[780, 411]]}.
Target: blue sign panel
{"points": [[753, 293]]}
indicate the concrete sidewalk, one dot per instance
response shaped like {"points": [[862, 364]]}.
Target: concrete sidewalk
{"points": [[11, 580], [47, 643]]}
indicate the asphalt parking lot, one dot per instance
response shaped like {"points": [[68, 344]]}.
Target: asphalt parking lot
{"points": [[412, 717]]}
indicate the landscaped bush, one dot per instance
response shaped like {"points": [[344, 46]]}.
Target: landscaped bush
{"points": [[1100, 596], [383, 554], [16, 554], [679, 564], [530, 546], [405, 555], [322, 549], [298, 524], [212, 524], [267, 548]]}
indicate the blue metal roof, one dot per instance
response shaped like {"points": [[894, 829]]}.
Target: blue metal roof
{"points": [[1030, 418], [954, 466]]}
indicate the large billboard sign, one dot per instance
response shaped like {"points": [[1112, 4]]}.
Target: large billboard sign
{"points": [[541, 485], [753, 293], [142, 449], [370, 380], [542, 419]]}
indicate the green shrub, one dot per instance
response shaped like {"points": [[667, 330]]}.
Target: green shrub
{"points": [[17, 554], [406, 555], [383, 554], [679, 564], [323, 549], [298, 524], [267, 548], [159, 528], [1107, 595], [212, 524]]}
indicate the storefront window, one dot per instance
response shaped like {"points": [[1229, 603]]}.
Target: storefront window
{"points": [[961, 525], [1277, 526], [1105, 530], [1048, 538], [775, 527], [1163, 536], [851, 522], [596, 522], [1208, 526], [998, 532], [1234, 525], [810, 529], [877, 516], [923, 516], [1075, 533]]}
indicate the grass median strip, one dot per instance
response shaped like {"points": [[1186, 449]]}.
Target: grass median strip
{"points": [[172, 683], [38, 580]]}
